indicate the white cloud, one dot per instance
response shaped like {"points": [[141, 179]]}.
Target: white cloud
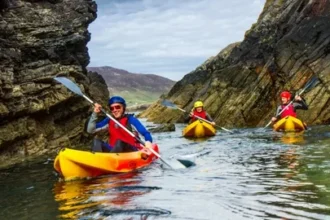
{"points": [[167, 36]]}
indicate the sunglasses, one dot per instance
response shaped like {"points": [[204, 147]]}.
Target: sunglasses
{"points": [[117, 107]]}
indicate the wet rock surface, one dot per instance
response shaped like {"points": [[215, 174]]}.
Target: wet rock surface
{"points": [[38, 41], [163, 128]]}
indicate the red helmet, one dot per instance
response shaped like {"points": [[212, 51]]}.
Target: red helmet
{"points": [[286, 94]]}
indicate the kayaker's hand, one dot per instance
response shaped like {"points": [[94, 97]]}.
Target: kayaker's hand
{"points": [[148, 144], [213, 123], [297, 98], [191, 114], [97, 108], [274, 119]]}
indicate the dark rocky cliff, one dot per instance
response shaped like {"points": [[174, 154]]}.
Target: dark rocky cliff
{"points": [[38, 41], [289, 44]]}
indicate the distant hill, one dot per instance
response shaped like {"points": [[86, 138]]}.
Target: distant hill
{"points": [[136, 88]]}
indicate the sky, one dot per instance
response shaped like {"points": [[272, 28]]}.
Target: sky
{"points": [[169, 38]]}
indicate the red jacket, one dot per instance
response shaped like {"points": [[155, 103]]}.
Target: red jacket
{"points": [[289, 111], [117, 133], [201, 114]]}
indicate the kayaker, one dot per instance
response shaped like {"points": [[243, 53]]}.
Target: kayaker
{"points": [[119, 140], [199, 111], [290, 110]]}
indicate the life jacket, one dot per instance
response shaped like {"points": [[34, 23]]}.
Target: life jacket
{"points": [[201, 114], [117, 133], [289, 111]]}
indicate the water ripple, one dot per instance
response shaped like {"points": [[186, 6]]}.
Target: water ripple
{"points": [[254, 174]]}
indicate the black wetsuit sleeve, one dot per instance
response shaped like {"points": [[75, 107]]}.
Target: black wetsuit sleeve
{"points": [[187, 119], [208, 117], [279, 109], [300, 105]]}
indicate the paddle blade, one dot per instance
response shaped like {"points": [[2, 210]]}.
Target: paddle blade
{"points": [[69, 84], [311, 84], [225, 129], [168, 103], [176, 164], [186, 163]]}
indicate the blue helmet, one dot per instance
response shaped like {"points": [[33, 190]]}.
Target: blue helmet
{"points": [[117, 99]]}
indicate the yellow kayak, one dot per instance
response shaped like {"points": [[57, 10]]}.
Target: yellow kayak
{"points": [[199, 129], [289, 123], [75, 164]]}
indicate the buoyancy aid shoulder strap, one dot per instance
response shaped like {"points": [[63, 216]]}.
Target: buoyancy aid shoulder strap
{"points": [[129, 125]]}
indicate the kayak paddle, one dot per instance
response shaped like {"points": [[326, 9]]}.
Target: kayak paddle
{"points": [[170, 104], [75, 89], [312, 82]]}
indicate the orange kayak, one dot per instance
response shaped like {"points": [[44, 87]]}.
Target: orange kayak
{"points": [[75, 164]]}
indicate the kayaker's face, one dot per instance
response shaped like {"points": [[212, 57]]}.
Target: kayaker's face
{"points": [[117, 110], [199, 109], [284, 100]]}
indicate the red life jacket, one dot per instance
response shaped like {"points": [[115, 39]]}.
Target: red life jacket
{"points": [[117, 133], [289, 111], [201, 114]]}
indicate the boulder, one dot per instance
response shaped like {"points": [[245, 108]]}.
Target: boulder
{"points": [[163, 128]]}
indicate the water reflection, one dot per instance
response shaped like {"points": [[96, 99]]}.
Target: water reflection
{"points": [[298, 194], [289, 137], [101, 196]]}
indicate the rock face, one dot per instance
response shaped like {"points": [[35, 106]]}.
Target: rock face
{"points": [[289, 44], [38, 41], [163, 128]]}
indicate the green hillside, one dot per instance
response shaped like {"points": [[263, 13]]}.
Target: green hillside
{"points": [[138, 97], [136, 88]]}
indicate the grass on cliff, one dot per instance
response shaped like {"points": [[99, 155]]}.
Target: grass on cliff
{"points": [[137, 97]]}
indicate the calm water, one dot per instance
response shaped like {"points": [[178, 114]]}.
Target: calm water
{"points": [[249, 175]]}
